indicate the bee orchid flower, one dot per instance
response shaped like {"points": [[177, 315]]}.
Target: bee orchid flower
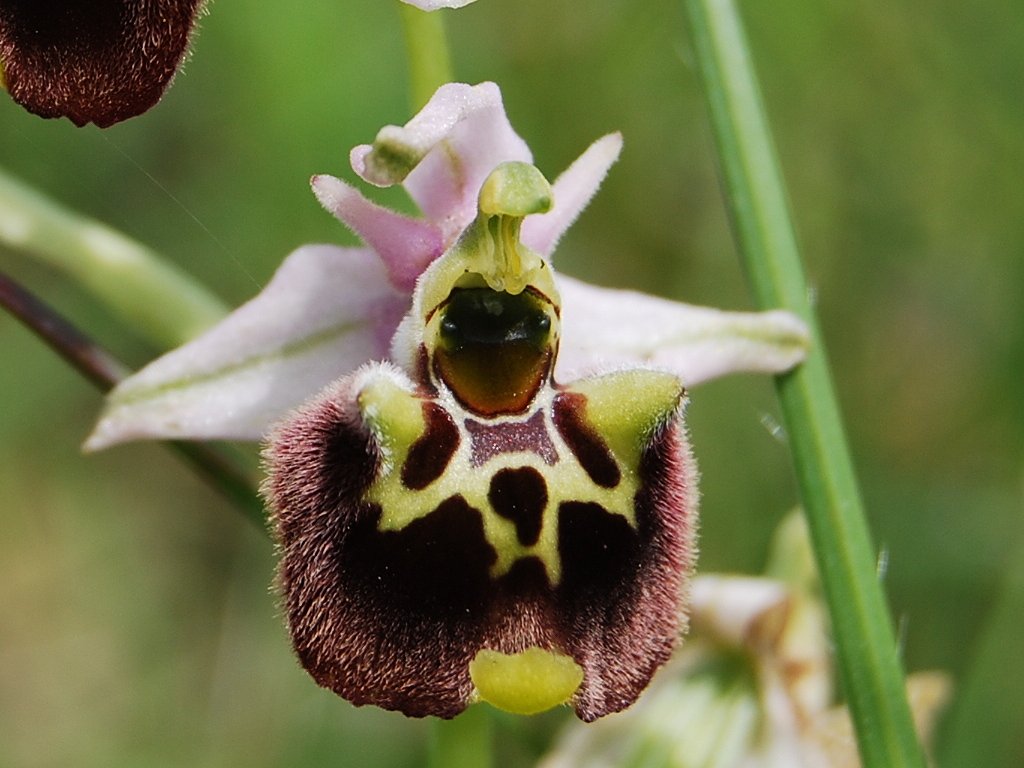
{"points": [[752, 688], [477, 470]]}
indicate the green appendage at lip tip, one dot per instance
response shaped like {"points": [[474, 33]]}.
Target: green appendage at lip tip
{"points": [[525, 683]]}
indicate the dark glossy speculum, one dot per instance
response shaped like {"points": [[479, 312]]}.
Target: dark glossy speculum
{"points": [[494, 349]]}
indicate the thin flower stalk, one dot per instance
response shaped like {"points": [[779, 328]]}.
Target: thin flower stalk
{"points": [[104, 371]]}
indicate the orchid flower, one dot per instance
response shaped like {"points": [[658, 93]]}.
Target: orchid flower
{"points": [[478, 471], [752, 688], [101, 62], [434, 5]]}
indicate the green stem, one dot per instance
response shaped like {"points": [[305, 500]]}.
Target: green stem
{"points": [[430, 64], [224, 473], [865, 644], [464, 742], [161, 302]]}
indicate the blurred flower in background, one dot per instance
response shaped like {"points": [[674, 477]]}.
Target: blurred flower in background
{"points": [[433, 5], [752, 687]]}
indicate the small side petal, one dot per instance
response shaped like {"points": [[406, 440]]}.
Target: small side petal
{"points": [[326, 311], [443, 155], [605, 328], [405, 245], [99, 62], [572, 192]]}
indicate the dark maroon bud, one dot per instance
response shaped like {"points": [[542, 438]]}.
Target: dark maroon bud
{"points": [[92, 61]]}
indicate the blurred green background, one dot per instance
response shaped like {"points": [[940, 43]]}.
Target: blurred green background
{"points": [[137, 626]]}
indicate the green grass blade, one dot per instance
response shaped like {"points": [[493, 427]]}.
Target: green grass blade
{"points": [[868, 660]]}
